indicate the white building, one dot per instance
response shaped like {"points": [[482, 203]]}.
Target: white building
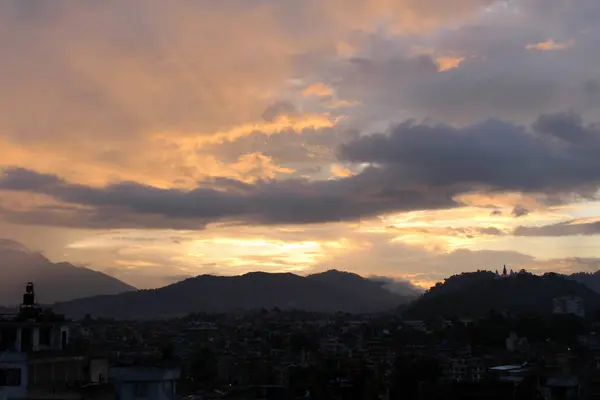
{"points": [[26, 340], [569, 305]]}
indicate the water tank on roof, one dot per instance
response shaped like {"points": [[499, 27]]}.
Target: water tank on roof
{"points": [[29, 295]]}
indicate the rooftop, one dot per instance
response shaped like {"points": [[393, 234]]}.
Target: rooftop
{"points": [[29, 311], [505, 368]]}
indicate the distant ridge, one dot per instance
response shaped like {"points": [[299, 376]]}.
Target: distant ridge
{"points": [[330, 291], [591, 280], [474, 294], [54, 281]]}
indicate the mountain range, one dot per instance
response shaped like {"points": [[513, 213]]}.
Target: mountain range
{"points": [[77, 291], [466, 295], [330, 291], [471, 294], [56, 281]]}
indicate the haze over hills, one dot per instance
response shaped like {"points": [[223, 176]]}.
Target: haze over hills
{"points": [[326, 292], [474, 294], [591, 280], [55, 281]]}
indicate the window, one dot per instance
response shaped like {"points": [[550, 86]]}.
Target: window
{"points": [[64, 339], [140, 390], [8, 339], [10, 377], [45, 336]]}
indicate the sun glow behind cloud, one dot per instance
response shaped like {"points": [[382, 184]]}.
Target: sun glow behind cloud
{"points": [[242, 255]]}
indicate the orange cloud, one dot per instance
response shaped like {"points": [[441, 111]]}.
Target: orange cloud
{"points": [[340, 171], [436, 238], [88, 163], [140, 109], [446, 63], [549, 45], [251, 167], [280, 124], [467, 232], [137, 264], [342, 104], [177, 72], [345, 50], [178, 69], [318, 89], [502, 200], [157, 163]]}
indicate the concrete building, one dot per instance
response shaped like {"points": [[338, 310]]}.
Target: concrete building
{"points": [[23, 337], [33, 329], [36, 360]]}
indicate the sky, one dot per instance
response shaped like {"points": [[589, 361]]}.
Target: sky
{"points": [[411, 139]]}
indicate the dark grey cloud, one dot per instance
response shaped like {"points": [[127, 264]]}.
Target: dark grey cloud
{"points": [[413, 167], [558, 154], [279, 109], [492, 231], [379, 81], [496, 213], [570, 228], [498, 76], [293, 201], [96, 218], [519, 211]]}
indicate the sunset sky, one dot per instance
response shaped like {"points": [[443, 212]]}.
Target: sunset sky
{"points": [[155, 140]]}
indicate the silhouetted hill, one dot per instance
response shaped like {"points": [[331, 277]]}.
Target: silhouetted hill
{"points": [[54, 281], [475, 294], [328, 292], [590, 280]]}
